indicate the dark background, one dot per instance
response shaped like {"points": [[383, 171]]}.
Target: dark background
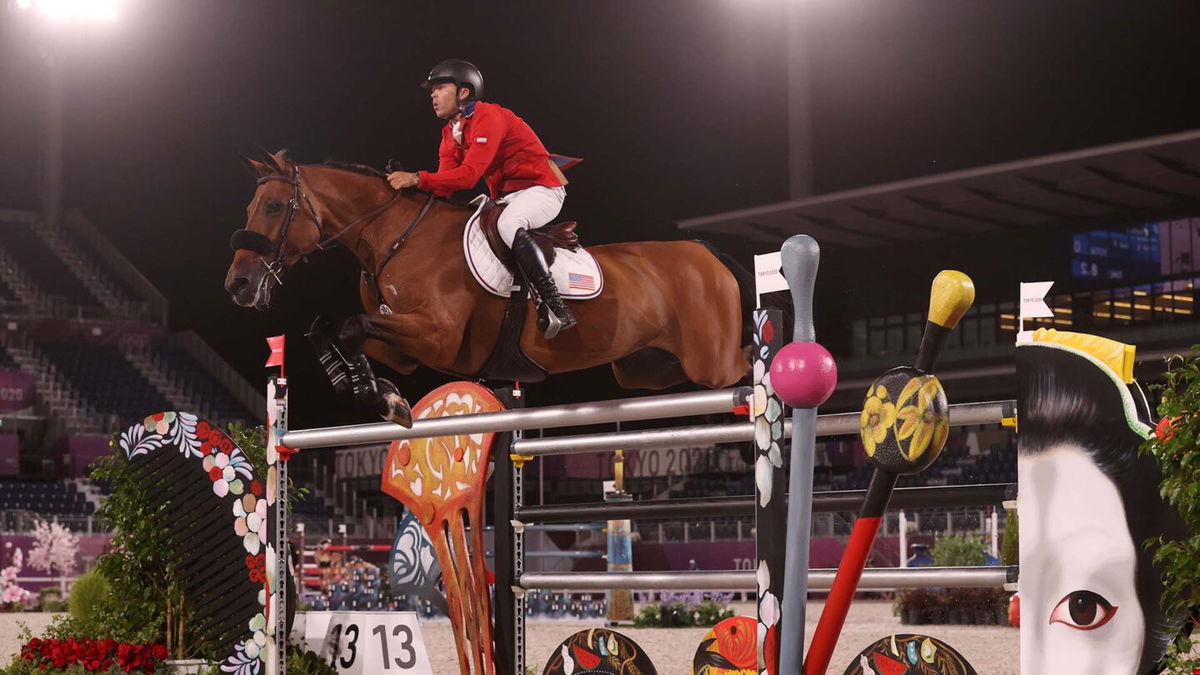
{"points": [[679, 109]]}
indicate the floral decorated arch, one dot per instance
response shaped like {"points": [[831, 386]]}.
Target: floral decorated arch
{"points": [[214, 508]]}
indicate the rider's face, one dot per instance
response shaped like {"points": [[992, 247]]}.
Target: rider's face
{"points": [[445, 99]]}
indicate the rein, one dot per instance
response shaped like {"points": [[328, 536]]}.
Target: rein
{"points": [[374, 276]]}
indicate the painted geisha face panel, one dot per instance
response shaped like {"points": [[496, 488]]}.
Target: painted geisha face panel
{"points": [[1079, 606]]}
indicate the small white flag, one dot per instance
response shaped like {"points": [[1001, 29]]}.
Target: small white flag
{"points": [[768, 276], [1033, 300]]}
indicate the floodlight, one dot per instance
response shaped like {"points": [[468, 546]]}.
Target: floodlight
{"points": [[87, 10]]}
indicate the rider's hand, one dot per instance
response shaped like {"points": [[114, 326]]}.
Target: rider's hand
{"points": [[402, 179]]}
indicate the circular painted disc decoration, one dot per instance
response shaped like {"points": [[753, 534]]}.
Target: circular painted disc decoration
{"points": [[728, 649], [599, 651], [909, 654], [905, 421]]}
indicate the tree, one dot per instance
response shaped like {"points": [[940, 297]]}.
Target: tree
{"points": [[55, 549], [1175, 443], [12, 596]]}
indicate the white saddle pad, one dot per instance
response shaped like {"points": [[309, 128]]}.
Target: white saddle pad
{"points": [[576, 273]]}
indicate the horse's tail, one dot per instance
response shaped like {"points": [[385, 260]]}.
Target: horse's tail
{"points": [[745, 281]]}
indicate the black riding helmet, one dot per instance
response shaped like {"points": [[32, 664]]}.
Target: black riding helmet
{"points": [[461, 73]]}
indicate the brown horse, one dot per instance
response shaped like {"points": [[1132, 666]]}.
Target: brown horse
{"points": [[670, 312]]}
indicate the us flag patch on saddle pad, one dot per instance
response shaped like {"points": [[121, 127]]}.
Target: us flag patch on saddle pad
{"points": [[581, 282]]}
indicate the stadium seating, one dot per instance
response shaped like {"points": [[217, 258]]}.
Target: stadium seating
{"points": [[7, 295], [46, 497], [106, 380], [25, 245], [199, 384]]}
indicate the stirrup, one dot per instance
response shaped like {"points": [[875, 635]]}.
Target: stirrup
{"points": [[553, 324], [550, 323]]}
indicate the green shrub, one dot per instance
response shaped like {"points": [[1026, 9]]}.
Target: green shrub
{"points": [[710, 613], [50, 599], [684, 610], [1010, 552], [87, 599], [303, 662], [957, 551], [650, 616]]}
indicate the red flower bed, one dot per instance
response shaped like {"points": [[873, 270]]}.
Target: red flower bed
{"points": [[94, 655]]}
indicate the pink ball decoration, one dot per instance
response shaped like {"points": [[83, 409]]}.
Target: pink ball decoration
{"points": [[803, 374]]}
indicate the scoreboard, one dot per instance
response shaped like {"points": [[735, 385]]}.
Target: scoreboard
{"points": [[1139, 253], [1124, 254]]}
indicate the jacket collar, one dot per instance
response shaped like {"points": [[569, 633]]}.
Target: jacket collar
{"points": [[468, 111]]}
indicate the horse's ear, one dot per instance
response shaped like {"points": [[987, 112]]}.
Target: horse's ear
{"points": [[280, 161], [277, 161], [259, 169]]}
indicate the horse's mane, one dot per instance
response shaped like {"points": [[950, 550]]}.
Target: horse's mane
{"points": [[365, 170], [356, 168]]}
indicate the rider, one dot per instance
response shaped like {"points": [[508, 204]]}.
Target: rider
{"points": [[485, 140]]}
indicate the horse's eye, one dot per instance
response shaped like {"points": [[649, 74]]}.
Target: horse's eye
{"points": [[274, 206]]}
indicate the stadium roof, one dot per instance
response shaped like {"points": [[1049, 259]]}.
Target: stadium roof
{"points": [[1106, 185]]}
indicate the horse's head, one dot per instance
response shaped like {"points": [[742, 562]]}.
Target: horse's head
{"points": [[281, 228]]}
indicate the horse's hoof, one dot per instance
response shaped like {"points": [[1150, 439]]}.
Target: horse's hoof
{"points": [[398, 410], [393, 407]]}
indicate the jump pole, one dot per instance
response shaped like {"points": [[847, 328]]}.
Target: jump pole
{"points": [[274, 654], [575, 414]]}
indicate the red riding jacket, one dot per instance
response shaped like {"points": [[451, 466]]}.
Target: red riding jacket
{"points": [[497, 146]]}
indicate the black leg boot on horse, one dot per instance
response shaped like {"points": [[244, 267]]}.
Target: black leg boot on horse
{"points": [[322, 337], [350, 373], [557, 316]]}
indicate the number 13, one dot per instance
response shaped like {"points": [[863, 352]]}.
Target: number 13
{"points": [[405, 645]]}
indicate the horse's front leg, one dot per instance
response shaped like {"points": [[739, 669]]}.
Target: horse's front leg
{"points": [[400, 341], [340, 349]]}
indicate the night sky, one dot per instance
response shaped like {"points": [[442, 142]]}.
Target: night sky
{"points": [[678, 108]]}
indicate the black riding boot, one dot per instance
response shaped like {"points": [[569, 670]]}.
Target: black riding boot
{"points": [[529, 257]]}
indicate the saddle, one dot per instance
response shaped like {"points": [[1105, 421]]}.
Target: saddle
{"points": [[548, 237]]}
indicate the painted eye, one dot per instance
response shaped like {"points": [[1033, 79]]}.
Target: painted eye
{"points": [[274, 206], [1083, 610]]}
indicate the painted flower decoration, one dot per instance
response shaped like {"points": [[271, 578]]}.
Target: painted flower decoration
{"points": [[222, 474], [250, 522], [159, 423], [736, 641], [258, 624], [878, 416], [920, 422]]}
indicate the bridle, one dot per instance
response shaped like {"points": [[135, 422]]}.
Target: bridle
{"points": [[256, 242]]}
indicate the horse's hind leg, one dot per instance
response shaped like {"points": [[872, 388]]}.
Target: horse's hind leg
{"points": [[648, 368], [710, 352]]}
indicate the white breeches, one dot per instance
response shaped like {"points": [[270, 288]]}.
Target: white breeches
{"points": [[529, 209]]}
